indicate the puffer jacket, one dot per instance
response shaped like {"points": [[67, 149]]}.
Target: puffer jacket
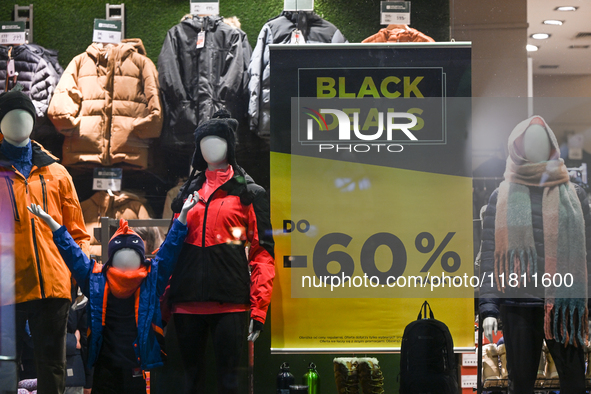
{"points": [[407, 34], [197, 82], [122, 205], [39, 270], [38, 78], [107, 105], [213, 265], [91, 279], [278, 30], [490, 298]]}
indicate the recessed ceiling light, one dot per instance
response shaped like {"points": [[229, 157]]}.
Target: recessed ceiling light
{"points": [[540, 36], [554, 22], [531, 48], [566, 8]]}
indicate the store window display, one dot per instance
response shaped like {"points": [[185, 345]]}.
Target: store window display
{"points": [[42, 280], [537, 222], [216, 280]]}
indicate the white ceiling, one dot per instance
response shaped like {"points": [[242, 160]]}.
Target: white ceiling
{"points": [[555, 50]]}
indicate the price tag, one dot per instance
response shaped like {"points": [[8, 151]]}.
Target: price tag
{"points": [[205, 7], [469, 360], [107, 179], [298, 5], [10, 68], [201, 39], [12, 33], [395, 12], [106, 31], [469, 381], [297, 37]]}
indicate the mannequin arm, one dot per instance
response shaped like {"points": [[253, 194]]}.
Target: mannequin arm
{"points": [[488, 326], [37, 211]]}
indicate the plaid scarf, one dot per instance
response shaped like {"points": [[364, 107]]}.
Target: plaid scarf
{"points": [[565, 308]]}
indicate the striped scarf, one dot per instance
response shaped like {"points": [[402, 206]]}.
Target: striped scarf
{"points": [[565, 317]]}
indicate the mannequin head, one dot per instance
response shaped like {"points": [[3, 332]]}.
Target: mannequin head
{"points": [[17, 117], [17, 126], [214, 150], [536, 143], [126, 259], [126, 249], [215, 142]]}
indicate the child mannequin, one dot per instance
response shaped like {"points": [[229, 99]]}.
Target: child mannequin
{"points": [[123, 335]]}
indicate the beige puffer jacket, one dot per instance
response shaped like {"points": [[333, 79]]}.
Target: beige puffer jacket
{"points": [[107, 105]]}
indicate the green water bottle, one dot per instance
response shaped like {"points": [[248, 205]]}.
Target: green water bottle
{"points": [[311, 380]]}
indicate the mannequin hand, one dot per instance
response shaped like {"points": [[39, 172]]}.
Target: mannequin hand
{"points": [[37, 211], [254, 332], [488, 326], [190, 202]]}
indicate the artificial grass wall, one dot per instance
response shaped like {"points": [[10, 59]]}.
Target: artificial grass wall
{"points": [[66, 25]]}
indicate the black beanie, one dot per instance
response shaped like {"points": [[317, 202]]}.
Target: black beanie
{"points": [[125, 238], [221, 125], [16, 100]]}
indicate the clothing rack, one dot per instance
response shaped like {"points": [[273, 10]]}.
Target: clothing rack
{"points": [[108, 227]]}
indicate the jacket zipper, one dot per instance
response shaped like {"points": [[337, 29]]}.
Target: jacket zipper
{"points": [[9, 183], [37, 258], [44, 192]]}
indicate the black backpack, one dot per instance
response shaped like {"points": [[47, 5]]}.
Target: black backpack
{"points": [[427, 364]]}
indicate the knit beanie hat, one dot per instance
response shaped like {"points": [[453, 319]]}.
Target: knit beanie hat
{"points": [[15, 99], [221, 125], [123, 238]]}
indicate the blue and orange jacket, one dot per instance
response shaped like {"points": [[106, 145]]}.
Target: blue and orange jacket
{"points": [[89, 275]]}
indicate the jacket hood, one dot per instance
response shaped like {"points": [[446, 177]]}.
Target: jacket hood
{"points": [[309, 16], [207, 23], [515, 144], [122, 50]]}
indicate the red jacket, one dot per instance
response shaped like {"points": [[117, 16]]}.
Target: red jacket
{"points": [[213, 265]]}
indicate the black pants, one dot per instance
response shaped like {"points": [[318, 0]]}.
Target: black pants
{"points": [[523, 331], [48, 319], [228, 333], [110, 379]]}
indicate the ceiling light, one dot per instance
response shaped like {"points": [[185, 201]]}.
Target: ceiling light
{"points": [[531, 48], [540, 36], [554, 22], [566, 8]]}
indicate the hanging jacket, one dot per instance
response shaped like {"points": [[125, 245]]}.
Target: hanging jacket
{"points": [[122, 205], [107, 105], [38, 78], [407, 34], [490, 298], [39, 270], [278, 31], [213, 265], [92, 280], [197, 82]]}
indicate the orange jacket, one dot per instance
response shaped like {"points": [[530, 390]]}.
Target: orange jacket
{"points": [[407, 34], [39, 269], [107, 105]]}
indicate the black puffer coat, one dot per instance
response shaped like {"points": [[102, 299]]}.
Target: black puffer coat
{"points": [[278, 31], [197, 82], [490, 298]]}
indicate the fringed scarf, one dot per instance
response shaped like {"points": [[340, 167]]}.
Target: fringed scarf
{"points": [[124, 283], [565, 308]]}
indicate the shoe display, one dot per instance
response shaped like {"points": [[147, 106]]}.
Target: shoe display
{"points": [[370, 376], [346, 375]]}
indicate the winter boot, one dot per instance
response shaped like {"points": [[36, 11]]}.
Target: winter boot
{"points": [[346, 375], [370, 375], [503, 361], [490, 362]]}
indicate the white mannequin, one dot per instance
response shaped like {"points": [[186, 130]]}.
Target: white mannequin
{"points": [[17, 126], [537, 148], [214, 150]]}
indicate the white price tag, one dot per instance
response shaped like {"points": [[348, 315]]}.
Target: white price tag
{"points": [[107, 179], [395, 12], [469, 381], [469, 360], [297, 37], [205, 7], [10, 68], [12, 33], [201, 39]]}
